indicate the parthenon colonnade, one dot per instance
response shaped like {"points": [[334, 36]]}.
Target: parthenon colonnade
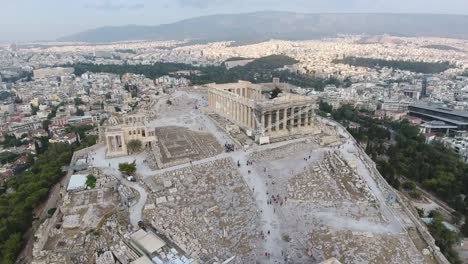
{"points": [[244, 105]]}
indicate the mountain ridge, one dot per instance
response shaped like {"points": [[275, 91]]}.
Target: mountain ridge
{"points": [[283, 25]]}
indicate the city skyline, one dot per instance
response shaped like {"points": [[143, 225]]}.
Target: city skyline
{"points": [[28, 20]]}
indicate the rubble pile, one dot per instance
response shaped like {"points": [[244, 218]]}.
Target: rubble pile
{"points": [[207, 210]]}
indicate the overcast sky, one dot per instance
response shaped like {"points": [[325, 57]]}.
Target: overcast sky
{"points": [[27, 20]]}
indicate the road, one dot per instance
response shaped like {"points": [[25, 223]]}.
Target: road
{"points": [[136, 208]]}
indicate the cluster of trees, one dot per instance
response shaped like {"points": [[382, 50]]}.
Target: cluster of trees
{"points": [[399, 149], [237, 59], [79, 130], [414, 66], [34, 109], [8, 157], [91, 181], [440, 47], [437, 168], [257, 71], [134, 145], [78, 101], [26, 75], [444, 237], [151, 71], [127, 168], [271, 62], [434, 166], [11, 141], [52, 114], [29, 190], [86, 140], [4, 95], [129, 51], [260, 71], [31, 187]]}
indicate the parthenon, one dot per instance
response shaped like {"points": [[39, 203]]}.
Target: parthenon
{"points": [[249, 106]]}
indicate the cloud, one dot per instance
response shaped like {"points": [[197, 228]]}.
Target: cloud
{"points": [[196, 3], [393, 6], [113, 6]]}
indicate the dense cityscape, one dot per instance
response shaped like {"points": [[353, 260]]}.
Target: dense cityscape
{"points": [[344, 149]]}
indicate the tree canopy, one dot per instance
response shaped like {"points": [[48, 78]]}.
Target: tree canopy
{"points": [[414, 66], [91, 181], [30, 189], [134, 145], [258, 71], [128, 168]]}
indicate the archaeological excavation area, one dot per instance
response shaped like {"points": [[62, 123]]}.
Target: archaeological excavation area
{"points": [[212, 188]]}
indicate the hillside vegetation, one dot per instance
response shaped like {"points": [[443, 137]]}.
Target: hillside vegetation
{"points": [[413, 66], [258, 71]]}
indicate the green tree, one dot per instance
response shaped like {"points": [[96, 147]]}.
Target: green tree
{"points": [[11, 248], [45, 124], [464, 229], [78, 101], [91, 181], [275, 93], [445, 238], [128, 168], [30, 189], [34, 109], [414, 66], [409, 185], [325, 107], [134, 145], [79, 112]]}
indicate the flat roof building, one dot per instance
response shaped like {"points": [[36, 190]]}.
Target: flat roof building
{"points": [[438, 113], [142, 260], [147, 241], [77, 183]]}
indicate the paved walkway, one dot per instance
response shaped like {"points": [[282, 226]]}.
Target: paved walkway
{"points": [[135, 209], [269, 220], [349, 151]]}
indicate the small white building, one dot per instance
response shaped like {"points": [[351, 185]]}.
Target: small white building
{"points": [[147, 241], [77, 183]]}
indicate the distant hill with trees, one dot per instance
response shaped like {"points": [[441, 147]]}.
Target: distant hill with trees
{"points": [[413, 66], [237, 59], [441, 47], [258, 71]]}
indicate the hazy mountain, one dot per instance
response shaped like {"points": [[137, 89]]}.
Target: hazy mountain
{"points": [[284, 25]]}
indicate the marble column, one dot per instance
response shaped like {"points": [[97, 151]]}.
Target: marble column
{"points": [[231, 108], [109, 144], [245, 115], [239, 113], [226, 106], [262, 120], [235, 111], [292, 118], [277, 120], [249, 116], [300, 117], [285, 118], [252, 118], [114, 143], [271, 121]]}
